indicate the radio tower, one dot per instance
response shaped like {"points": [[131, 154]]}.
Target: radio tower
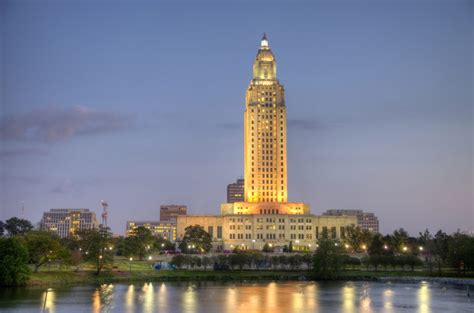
{"points": [[104, 213]]}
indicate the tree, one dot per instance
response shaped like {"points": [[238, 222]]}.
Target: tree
{"points": [[2, 228], [17, 226], [13, 262], [441, 248], [238, 259], [461, 252], [358, 238], [178, 261], [140, 242], [195, 240], [96, 245], [327, 260], [163, 244], [43, 247], [267, 248], [206, 261], [400, 239], [376, 246]]}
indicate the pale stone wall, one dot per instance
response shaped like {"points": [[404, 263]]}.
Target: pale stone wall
{"points": [[253, 231]]}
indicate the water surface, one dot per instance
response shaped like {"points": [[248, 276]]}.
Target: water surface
{"points": [[219, 297]]}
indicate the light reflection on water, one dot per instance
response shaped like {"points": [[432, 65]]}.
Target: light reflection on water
{"points": [[215, 297]]}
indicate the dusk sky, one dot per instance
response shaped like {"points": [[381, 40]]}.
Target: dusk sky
{"points": [[141, 104]]}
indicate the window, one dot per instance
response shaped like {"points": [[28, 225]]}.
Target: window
{"points": [[210, 230], [219, 232]]}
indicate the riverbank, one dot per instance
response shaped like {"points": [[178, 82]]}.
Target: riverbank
{"points": [[55, 278]]}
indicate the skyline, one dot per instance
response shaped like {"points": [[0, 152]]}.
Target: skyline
{"points": [[118, 108]]}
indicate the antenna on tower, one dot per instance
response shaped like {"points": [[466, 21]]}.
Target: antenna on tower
{"points": [[104, 212]]}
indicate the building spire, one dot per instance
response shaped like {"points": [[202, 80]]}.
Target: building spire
{"points": [[264, 42]]}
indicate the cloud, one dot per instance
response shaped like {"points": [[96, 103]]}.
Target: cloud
{"points": [[304, 124], [19, 152], [53, 124]]}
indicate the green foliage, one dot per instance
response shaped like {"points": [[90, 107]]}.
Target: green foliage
{"points": [[13, 262], [267, 248], [238, 260], [376, 246], [178, 260], [327, 260], [399, 240], [461, 252], [162, 244], [196, 240], [17, 226], [2, 228], [43, 247], [356, 238], [140, 243], [96, 247], [290, 247]]}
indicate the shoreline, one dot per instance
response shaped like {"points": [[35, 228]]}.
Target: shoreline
{"points": [[66, 278]]}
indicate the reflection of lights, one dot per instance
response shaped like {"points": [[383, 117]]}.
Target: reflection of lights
{"points": [[424, 298], [148, 296], [162, 299], [189, 300], [130, 299], [48, 300], [348, 297], [388, 300]]}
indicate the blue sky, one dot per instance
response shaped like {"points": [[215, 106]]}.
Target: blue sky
{"points": [[141, 103]]}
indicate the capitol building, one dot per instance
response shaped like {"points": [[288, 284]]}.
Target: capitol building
{"points": [[265, 215]]}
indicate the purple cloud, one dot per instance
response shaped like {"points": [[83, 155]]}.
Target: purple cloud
{"points": [[55, 124]]}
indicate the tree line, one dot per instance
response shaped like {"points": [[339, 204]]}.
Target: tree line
{"points": [[24, 249]]}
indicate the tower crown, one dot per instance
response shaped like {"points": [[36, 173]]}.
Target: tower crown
{"points": [[264, 67]]}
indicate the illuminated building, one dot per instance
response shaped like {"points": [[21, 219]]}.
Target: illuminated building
{"points": [[66, 222], [365, 220], [162, 229], [235, 191], [169, 212], [265, 215]]}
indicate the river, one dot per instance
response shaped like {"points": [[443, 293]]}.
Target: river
{"points": [[248, 297]]}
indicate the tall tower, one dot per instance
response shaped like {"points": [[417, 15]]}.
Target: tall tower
{"points": [[265, 132], [265, 170]]}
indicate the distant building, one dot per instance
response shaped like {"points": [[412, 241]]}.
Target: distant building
{"points": [[169, 212], [66, 222], [235, 191], [162, 229], [365, 220]]}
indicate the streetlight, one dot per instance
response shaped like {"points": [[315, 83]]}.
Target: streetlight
{"points": [[131, 259], [149, 258], [405, 249], [421, 248], [347, 246], [364, 247], [385, 247]]}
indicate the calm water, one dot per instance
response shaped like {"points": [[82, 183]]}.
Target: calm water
{"points": [[274, 297]]}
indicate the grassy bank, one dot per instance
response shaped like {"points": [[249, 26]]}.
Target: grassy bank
{"points": [[49, 278], [67, 277]]}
